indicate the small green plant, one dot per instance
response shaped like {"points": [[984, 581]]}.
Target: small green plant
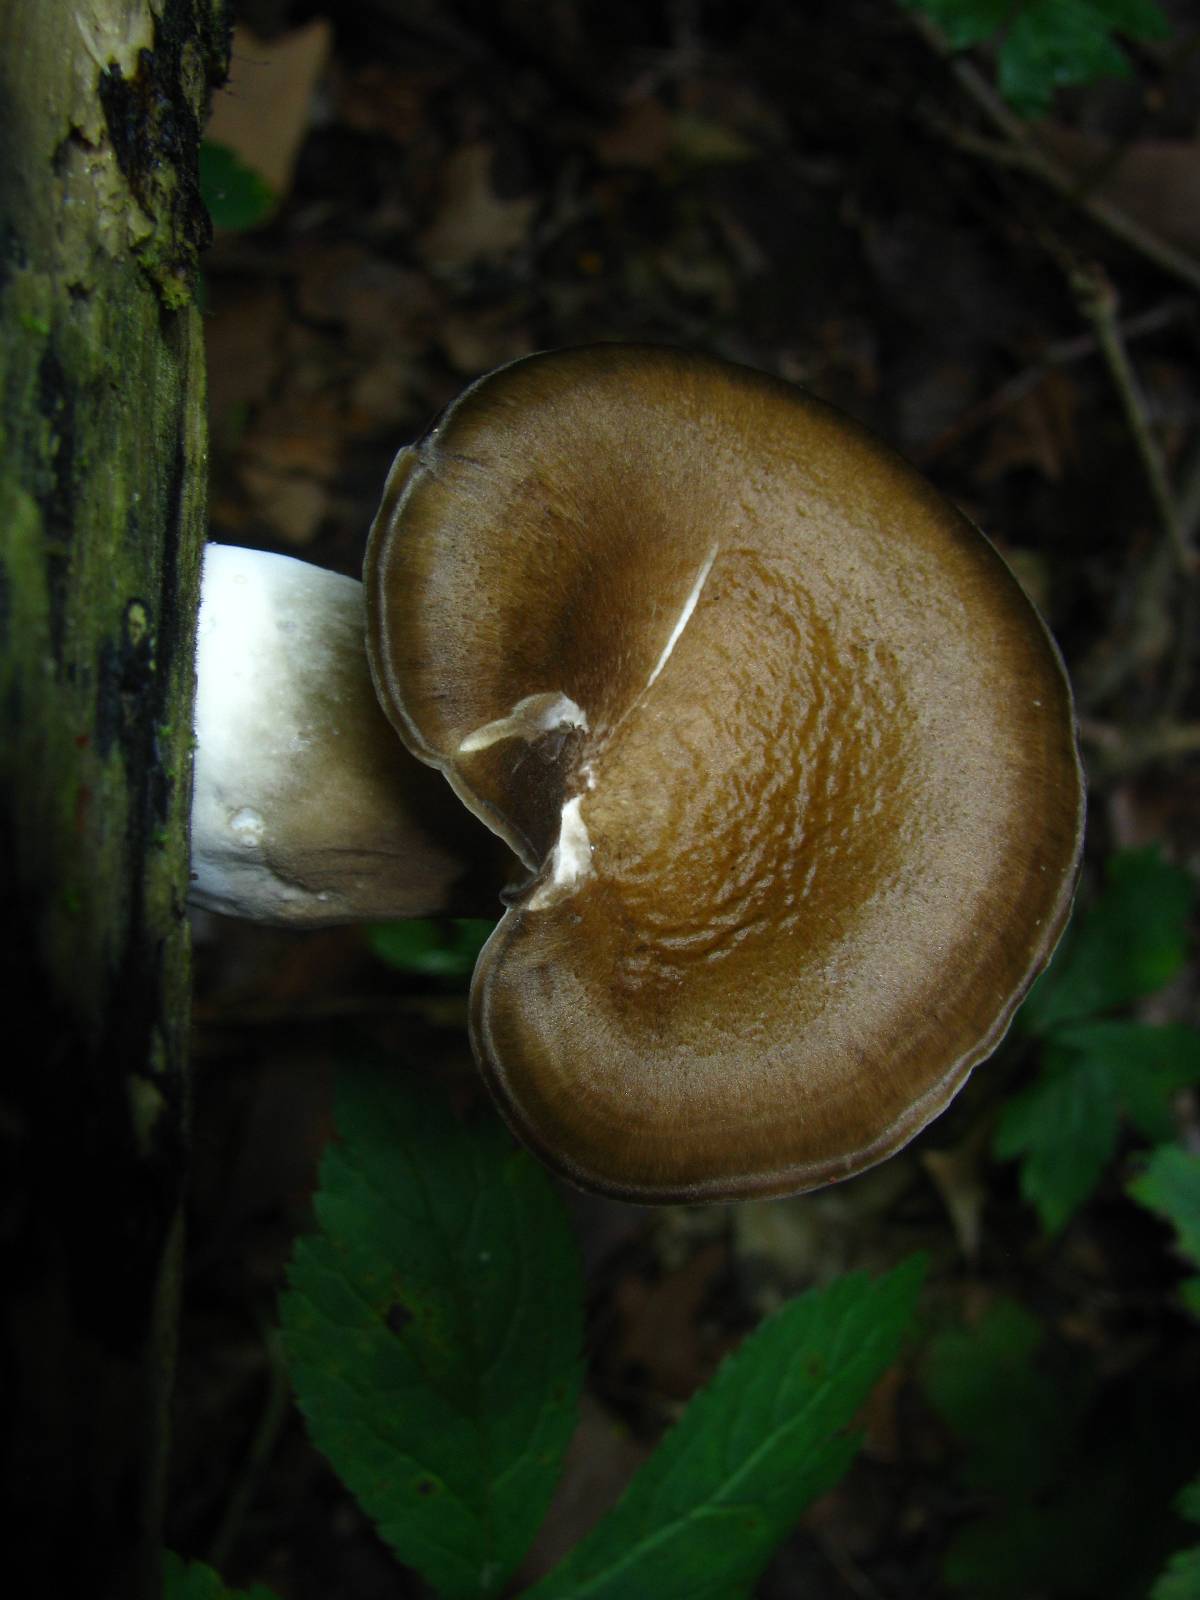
{"points": [[430, 948], [1181, 1580], [1098, 1067], [237, 197], [1056, 1511], [1053, 1506], [1044, 45], [1170, 1185], [192, 1580], [432, 1327]]}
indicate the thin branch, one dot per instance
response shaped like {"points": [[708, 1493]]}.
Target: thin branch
{"points": [[1061, 353], [1122, 751], [1189, 496], [1021, 150], [1144, 639], [1097, 298]]}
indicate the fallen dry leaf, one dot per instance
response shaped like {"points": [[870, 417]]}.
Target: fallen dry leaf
{"points": [[264, 110], [1037, 431], [472, 222], [1155, 181], [661, 1336], [640, 137], [602, 1457]]}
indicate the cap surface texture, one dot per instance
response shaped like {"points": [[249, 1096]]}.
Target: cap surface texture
{"points": [[788, 754]]}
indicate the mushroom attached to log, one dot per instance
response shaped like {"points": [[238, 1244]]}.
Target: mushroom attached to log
{"points": [[787, 755], [306, 808]]}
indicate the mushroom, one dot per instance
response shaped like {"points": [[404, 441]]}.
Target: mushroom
{"points": [[786, 754], [306, 809]]}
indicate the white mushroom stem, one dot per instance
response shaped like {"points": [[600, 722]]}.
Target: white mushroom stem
{"points": [[306, 808]]}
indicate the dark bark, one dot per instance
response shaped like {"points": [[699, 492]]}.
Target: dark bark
{"points": [[102, 519]]}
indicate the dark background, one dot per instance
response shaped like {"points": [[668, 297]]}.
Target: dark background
{"points": [[810, 189]]}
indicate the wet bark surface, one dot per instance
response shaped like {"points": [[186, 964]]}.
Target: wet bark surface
{"points": [[103, 517]]}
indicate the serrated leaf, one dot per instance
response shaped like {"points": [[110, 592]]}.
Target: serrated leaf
{"points": [[445, 948], [1133, 940], [432, 1329], [1064, 1125], [701, 1518], [1170, 1186], [1044, 45], [1064, 1129], [1148, 1066], [192, 1580], [965, 22], [1052, 46], [237, 197]]}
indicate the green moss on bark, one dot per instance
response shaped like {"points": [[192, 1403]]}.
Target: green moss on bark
{"points": [[102, 521]]}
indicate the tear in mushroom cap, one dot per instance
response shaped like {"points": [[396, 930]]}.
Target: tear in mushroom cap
{"points": [[790, 758]]}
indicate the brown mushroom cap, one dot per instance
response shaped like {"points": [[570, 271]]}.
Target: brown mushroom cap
{"points": [[789, 753]]}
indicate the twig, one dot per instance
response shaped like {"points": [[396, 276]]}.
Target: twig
{"points": [[1123, 752], [1189, 624], [1152, 601], [1061, 353], [1189, 496], [1097, 298], [1020, 150], [1144, 639]]}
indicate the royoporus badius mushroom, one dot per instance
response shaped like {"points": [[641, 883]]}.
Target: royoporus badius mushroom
{"points": [[786, 756]]}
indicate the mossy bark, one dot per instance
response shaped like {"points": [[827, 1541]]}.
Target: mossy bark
{"points": [[102, 520]]}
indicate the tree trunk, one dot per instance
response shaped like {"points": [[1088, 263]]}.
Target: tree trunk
{"points": [[102, 519]]}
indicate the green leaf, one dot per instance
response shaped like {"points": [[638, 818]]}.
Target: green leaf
{"points": [[237, 197], [1181, 1580], [1058, 1514], [965, 22], [432, 1329], [1046, 45], [725, 1486], [985, 1384], [1053, 44], [1187, 1501], [183, 1580], [1009, 1552], [1085, 1537], [447, 948], [1170, 1185], [1147, 1065], [1132, 941], [1059, 1511], [1064, 1127]]}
